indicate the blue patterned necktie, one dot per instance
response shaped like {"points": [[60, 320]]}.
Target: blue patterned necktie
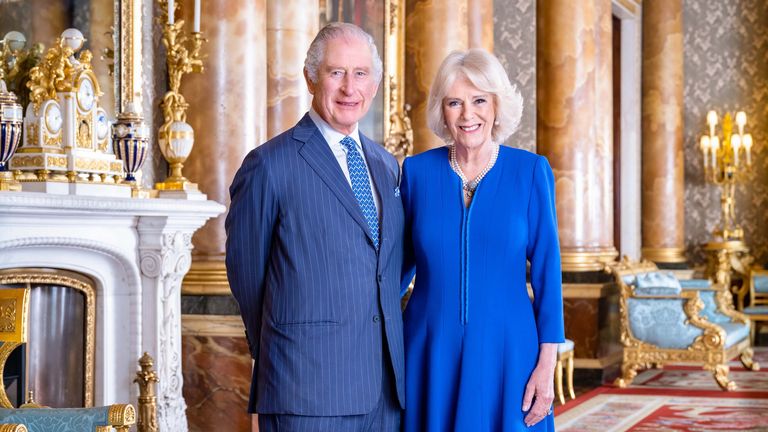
{"points": [[361, 187]]}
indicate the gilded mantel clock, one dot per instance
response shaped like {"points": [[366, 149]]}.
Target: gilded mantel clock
{"points": [[67, 136]]}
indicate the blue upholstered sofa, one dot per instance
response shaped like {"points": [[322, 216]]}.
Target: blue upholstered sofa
{"points": [[664, 320], [96, 419]]}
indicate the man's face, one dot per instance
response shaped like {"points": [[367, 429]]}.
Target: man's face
{"points": [[345, 85]]}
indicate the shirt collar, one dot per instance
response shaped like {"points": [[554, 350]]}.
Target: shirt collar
{"points": [[331, 135]]}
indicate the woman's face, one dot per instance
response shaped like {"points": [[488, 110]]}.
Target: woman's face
{"points": [[469, 114]]}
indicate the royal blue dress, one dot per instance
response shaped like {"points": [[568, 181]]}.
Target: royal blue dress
{"points": [[472, 333]]}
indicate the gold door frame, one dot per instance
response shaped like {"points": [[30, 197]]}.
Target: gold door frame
{"points": [[78, 282]]}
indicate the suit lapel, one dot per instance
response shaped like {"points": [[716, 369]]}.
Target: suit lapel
{"points": [[378, 171], [319, 157]]}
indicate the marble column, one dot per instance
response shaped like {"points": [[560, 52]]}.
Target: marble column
{"points": [[291, 26], [434, 29], [480, 24], [573, 82], [228, 113], [662, 122]]}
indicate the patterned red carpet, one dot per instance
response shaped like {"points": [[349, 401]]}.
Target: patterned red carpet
{"points": [[673, 399]]}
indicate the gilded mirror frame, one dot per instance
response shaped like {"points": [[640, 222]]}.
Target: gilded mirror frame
{"points": [[398, 134], [128, 56]]}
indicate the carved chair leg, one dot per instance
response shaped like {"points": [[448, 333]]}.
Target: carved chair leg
{"points": [[569, 376], [559, 381], [628, 374], [747, 361], [721, 376]]}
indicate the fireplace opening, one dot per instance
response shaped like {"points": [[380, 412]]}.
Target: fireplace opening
{"points": [[57, 362]]}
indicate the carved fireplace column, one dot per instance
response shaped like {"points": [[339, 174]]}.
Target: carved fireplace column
{"points": [[663, 182], [434, 29], [574, 99], [165, 245], [228, 113], [291, 26]]}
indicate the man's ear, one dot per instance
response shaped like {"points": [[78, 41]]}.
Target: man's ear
{"points": [[310, 84]]}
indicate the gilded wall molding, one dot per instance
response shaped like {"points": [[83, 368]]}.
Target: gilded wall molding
{"points": [[398, 133], [128, 82]]}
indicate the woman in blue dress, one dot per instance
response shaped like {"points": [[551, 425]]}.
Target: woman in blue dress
{"points": [[480, 351]]}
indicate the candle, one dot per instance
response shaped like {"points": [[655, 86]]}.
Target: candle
{"points": [[741, 120], [705, 150], [714, 143], [197, 17], [712, 121], [170, 11], [748, 148], [736, 144]]}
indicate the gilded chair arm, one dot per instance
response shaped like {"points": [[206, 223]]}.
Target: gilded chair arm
{"points": [[718, 304], [714, 335], [667, 321], [11, 427], [121, 415]]}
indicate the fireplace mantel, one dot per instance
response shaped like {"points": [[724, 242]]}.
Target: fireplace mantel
{"points": [[137, 251]]}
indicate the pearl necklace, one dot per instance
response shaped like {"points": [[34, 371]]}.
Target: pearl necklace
{"points": [[470, 186]]}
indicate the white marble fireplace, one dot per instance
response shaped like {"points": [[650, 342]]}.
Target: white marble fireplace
{"points": [[137, 251]]}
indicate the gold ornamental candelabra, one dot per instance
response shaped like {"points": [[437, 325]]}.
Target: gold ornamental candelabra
{"points": [[146, 378], [176, 136], [726, 162]]}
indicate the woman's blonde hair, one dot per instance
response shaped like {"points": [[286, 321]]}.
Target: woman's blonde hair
{"points": [[486, 73]]}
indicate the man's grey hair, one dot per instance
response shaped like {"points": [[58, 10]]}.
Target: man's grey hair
{"points": [[334, 30]]}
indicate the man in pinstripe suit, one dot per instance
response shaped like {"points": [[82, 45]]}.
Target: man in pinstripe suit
{"points": [[314, 254]]}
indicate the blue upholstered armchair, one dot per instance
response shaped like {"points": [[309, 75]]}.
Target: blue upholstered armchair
{"points": [[31, 417], [664, 321]]}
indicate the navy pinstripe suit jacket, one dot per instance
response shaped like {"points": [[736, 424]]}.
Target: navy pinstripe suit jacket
{"points": [[313, 291]]}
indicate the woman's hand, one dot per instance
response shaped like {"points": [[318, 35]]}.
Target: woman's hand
{"points": [[540, 389]]}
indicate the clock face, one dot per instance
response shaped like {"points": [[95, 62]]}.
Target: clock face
{"points": [[53, 118], [85, 94], [102, 126]]}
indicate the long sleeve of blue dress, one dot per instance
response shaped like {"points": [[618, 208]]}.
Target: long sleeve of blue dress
{"points": [[543, 252]]}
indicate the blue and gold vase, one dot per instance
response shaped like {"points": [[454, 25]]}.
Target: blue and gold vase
{"points": [[11, 120], [130, 140]]}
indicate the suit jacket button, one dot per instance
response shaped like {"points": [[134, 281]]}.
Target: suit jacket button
{"points": [[380, 278], [376, 318]]}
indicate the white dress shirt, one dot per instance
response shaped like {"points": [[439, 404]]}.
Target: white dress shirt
{"points": [[333, 138]]}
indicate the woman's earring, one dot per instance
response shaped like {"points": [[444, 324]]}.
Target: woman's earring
{"points": [[496, 123]]}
